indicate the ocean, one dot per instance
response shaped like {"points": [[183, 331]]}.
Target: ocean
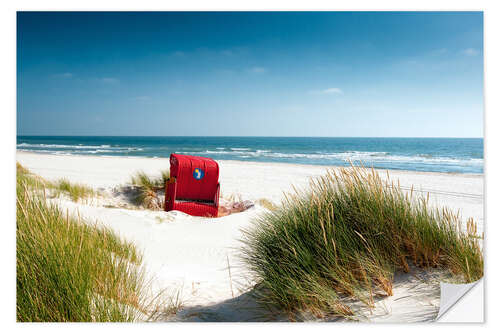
{"points": [[461, 155]]}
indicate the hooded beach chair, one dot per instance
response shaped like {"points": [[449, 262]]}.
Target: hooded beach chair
{"points": [[193, 187]]}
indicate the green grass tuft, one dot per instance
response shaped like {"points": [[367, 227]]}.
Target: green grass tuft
{"points": [[21, 170], [76, 192], [67, 270], [31, 180], [345, 238], [143, 180], [148, 189]]}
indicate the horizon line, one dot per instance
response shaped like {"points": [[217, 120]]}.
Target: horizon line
{"points": [[257, 136]]}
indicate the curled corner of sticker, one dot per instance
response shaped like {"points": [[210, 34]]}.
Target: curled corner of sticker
{"points": [[451, 294]]}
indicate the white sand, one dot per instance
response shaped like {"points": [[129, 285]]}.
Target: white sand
{"points": [[191, 254]]}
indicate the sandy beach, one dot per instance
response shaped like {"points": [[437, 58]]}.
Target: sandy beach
{"points": [[191, 255]]}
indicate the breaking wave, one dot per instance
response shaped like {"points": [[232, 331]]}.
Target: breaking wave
{"points": [[59, 149], [355, 156], [445, 155]]}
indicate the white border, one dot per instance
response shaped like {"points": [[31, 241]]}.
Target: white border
{"points": [[8, 132]]}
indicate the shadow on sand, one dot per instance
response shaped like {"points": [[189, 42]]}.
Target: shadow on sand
{"points": [[415, 299]]}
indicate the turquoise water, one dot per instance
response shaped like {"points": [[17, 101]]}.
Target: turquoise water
{"points": [[418, 154]]}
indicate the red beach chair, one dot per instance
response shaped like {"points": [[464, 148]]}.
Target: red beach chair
{"points": [[194, 186]]}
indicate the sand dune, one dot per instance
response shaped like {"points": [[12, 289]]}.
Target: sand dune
{"points": [[192, 254]]}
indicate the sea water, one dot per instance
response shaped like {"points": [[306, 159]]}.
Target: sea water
{"points": [[462, 155]]}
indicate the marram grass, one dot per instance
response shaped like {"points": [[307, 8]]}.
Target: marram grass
{"points": [[76, 192], [142, 179], [345, 238], [70, 271], [148, 188]]}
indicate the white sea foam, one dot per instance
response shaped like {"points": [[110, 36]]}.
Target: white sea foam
{"points": [[100, 151], [43, 145], [358, 156], [79, 147], [39, 151], [378, 158]]}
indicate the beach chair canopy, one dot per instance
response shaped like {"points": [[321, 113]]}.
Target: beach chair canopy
{"points": [[193, 187]]}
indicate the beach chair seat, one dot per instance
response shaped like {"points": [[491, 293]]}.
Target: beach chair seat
{"points": [[193, 187]]}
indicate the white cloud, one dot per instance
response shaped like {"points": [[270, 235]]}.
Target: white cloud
{"points": [[109, 80], [470, 52], [328, 91], [258, 70], [63, 75]]}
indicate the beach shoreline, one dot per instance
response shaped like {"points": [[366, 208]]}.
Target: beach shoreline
{"points": [[417, 154], [154, 158], [256, 180]]}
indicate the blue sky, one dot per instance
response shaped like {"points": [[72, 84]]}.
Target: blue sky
{"points": [[258, 74]]}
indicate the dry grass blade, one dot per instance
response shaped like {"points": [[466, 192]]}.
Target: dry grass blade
{"points": [[149, 189], [67, 270], [346, 237]]}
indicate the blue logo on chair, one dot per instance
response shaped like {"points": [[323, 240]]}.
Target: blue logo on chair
{"points": [[198, 173]]}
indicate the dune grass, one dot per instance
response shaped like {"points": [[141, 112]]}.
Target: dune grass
{"points": [[345, 237], [30, 179], [76, 192], [70, 271], [20, 169], [142, 179], [266, 203], [148, 188]]}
